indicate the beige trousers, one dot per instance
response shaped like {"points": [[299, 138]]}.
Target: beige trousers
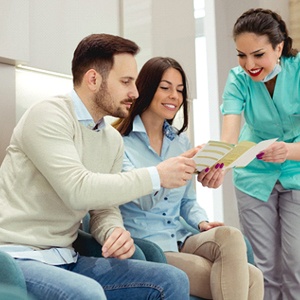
{"points": [[216, 264]]}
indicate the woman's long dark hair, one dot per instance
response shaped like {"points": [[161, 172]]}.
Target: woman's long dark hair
{"points": [[147, 83]]}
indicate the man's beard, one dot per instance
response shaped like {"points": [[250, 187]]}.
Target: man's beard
{"points": [[104, 101]]}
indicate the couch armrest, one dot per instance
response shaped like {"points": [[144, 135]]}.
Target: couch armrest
{"points": [[86, 245], [10, 273]]}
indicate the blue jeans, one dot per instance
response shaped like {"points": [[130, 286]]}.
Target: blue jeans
{"points": [[105, 278]]}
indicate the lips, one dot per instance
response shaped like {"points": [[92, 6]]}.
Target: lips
{"points": [[255, 72]]}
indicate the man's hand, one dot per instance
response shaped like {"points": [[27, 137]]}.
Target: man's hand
{"points": [[119, 244], [192, 152], [204, 226], [176, 171]]}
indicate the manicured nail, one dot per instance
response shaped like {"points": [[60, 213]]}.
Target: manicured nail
{"points": [[217, 166], [221, 165], [206, 170], [260, 155]]}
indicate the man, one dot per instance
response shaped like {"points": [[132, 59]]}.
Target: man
{"points": [[63, 161]]}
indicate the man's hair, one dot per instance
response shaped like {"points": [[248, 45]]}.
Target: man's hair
{"points": [[97, 51]]}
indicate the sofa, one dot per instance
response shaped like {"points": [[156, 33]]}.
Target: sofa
{"points": [[12, 283]]}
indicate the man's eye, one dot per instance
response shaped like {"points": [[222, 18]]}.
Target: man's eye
{"points": [[125, 81], [240, 55]]}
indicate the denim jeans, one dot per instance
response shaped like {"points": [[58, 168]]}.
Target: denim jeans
{"points": [[105, 278]]}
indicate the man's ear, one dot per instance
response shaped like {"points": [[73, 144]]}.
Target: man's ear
{"points": [[93, 80]]}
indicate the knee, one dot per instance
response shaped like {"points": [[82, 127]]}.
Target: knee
{"points": [[90, 289], [256, 280], [230, 237], [178, 279]]}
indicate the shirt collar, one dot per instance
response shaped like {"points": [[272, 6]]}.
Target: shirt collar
{"points": [[83, 115], [138, 126]]}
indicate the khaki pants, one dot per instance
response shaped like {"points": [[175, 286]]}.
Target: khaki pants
{"points": [[216, 264]]}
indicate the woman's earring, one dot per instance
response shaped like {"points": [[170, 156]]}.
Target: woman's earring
{"points": [[278, 60]]}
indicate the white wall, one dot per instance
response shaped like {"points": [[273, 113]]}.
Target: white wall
{"points": [[14, 31], [43, 35]]}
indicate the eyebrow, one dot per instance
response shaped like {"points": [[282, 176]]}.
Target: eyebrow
{"points": [[251, 52], [167, 81], [128, 77]]}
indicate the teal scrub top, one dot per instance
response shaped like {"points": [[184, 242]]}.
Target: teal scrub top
{"points": [[266, 117]]}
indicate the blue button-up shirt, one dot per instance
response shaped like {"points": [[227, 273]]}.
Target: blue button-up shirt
{"points": [[156, 217]]}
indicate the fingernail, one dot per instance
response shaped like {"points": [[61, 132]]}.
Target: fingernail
{"points": [[217, 166], [206, 170], [260, 155], [221, 165]]}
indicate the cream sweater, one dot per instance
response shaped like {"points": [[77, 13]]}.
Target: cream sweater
{"points": [[55, 171]]}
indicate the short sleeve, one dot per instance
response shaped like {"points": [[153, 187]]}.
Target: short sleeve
{"points": [[234, 92]]}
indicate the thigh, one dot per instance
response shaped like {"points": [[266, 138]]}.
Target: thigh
{"points": [[289, 208], [51, 282], [198, 270], [135, 279], [260, 223]]}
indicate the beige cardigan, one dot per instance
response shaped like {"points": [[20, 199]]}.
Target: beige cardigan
{"points": [[55, 171]]}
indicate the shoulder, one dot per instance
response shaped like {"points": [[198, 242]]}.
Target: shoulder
{"points": [[54, 111], [56, 104], [113, 132], [183, 139], [291, 64], [237, 76]]}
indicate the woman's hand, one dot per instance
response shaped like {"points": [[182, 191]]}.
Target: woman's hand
{"points": [[204, 226], [277, 152], [212, 177]]}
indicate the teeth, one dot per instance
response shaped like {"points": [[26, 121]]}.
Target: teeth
{"points": [[254, 71], [170, 105]]}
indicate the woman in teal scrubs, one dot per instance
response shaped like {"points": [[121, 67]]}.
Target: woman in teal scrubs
{"points": [[265, 87]]}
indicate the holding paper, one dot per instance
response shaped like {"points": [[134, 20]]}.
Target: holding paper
{"points": [[231, 155]]}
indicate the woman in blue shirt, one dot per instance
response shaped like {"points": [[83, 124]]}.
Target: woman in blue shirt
{"points": [[215, 259], [266, 88]]}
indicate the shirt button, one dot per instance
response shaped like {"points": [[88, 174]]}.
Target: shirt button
{"points": [[169, 222], [166, 198], [172, 235], [164, 214]]}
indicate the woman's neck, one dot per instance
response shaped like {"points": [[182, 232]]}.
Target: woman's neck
{"points": [[270, 85], [154, 129]]}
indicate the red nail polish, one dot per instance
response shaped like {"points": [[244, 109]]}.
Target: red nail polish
{"points": [[206, 170], [217, 166]]}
